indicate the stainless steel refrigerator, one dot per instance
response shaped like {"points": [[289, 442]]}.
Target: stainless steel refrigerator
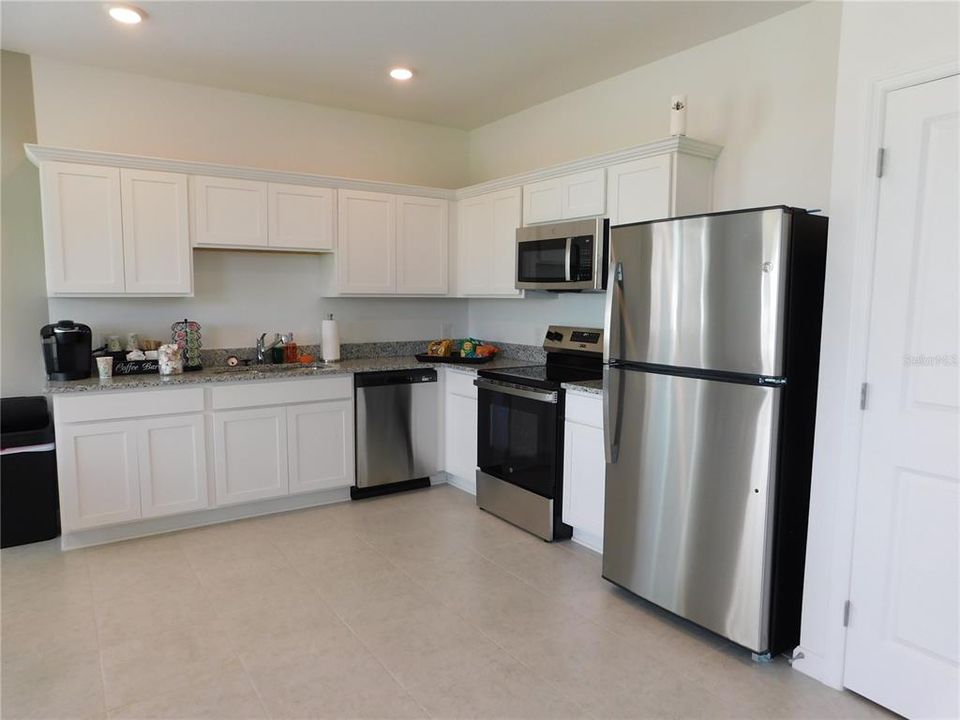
{"points": [[710, 382]]}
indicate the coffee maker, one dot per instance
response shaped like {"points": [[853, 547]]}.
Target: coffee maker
{"points": [[66, 350]]}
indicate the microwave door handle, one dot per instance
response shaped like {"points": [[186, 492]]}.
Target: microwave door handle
{"points": [[567, 256]]}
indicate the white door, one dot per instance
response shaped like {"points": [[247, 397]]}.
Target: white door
{"points": [[367, 242], [157, 257], [250, 454], [460, 430], [583, 194], [421, 246], [82, 229], [475, 230], [902, 638], [507, 206], [173, 465], [98, 470], [584, 468], [229, 213], [639, 190], [320, 442], [301, 217], [542, 201]]}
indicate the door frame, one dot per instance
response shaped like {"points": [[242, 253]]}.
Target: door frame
{"points": [[829, 667]]}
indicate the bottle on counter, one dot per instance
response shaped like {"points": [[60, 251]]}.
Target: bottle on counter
{"points": [[290, 352]]}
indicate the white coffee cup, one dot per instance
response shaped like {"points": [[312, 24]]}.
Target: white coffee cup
{"points": [[105, 367]]}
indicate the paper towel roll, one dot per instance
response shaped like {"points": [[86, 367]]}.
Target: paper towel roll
{"points": [[329, 341]]}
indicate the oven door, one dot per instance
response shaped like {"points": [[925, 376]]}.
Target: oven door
{"points": [[518, 435]]}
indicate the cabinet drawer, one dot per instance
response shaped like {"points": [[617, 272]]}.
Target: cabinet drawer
{"points": [[585, 410], [281, 392], [113, 406], [461, 383]]}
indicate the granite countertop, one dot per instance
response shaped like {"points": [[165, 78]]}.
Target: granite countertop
{"points": [[266, 373], [585, 387]]}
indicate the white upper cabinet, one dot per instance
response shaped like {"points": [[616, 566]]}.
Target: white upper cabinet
{"points": [[157, 258], [367, 245], [657, 187], [301, 217], [486, 243], [391, 244], [229, 213], [565, 197], [82, 229], [421, 246]]}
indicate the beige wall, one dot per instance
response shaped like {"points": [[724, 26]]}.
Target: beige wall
{"points": [[239, 295], [97, 109], [765, 93], [23, 306]]}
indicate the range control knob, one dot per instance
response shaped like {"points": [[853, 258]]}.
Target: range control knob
{"points": [[554, 336]]}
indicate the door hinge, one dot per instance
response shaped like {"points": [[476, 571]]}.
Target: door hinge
{"points": [[863, 396], [846, 614], [880, 155]]}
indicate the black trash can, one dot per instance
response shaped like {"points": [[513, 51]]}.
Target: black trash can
{"points": [[29, 501]]}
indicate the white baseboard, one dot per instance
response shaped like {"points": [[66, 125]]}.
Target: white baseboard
{"points": [[588, 540], [155, 526], [464, 484]]}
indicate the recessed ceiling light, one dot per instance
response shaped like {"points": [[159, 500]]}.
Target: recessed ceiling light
{"points": [[401, 73], [126, 14]]}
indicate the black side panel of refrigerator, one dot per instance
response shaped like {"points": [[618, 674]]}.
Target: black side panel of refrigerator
{"points": [[804, 312]]}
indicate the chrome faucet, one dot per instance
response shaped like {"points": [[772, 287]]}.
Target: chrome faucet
{"points": [[262, 347]]}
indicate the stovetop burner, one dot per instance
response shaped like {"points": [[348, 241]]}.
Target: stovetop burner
{"points": [[573, 354]]}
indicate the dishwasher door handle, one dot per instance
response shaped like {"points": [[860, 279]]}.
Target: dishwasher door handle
{"points": [[547, 396]]}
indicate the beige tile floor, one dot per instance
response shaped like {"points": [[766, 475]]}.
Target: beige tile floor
{"points": [[414, 605]]}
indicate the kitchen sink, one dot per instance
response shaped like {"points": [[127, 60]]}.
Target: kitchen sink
{"points": [[271, 369]]}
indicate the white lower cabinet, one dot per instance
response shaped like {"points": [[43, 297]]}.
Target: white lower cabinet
{"points": [[173, 465], [460, 427], [584, 468], [250, 454], [97, 465], [320, 446]]}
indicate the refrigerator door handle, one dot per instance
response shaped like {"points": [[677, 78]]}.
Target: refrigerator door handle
{"points": [[611, 349], [612, 415]]}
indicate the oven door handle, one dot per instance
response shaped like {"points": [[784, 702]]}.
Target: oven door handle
{"points": [[547, 396], [567, 257]]}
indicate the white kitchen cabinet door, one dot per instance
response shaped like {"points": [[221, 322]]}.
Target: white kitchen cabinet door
{"points": [[506, 219], [301, 217], [250, 454], [584, 471], [461, 437], [157, 257], [543, 201], [583, 194], [82, 229], [487, 243], [228, 212], [421, 246], [563, 198], [173, 465], [320, 442], [367, 242], [98, 471], [640, 190]]}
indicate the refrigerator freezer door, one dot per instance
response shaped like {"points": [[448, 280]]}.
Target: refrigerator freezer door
{"points": [[689, 502], [701, 293]]}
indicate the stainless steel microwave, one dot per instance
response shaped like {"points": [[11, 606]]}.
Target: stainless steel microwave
{"points": [[569, 256]]}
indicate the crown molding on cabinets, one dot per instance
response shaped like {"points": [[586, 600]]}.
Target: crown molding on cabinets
{"points": [[40, 153], [679, 144]]}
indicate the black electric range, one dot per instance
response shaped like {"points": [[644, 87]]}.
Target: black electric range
{"points": [[520, 431]]}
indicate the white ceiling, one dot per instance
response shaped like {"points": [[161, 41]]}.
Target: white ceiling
{"points": [[475, 61]]}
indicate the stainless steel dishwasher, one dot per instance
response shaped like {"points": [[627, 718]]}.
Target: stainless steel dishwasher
{"points": [[398, 430]]}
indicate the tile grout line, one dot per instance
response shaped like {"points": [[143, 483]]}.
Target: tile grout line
{"points": [[96, 630], [359, 639]]}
